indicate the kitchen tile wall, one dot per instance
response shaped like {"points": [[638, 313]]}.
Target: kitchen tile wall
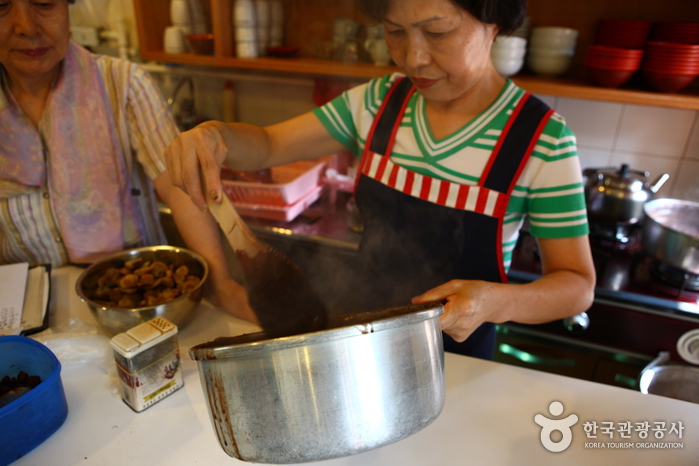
{"points": [[654, 139]]}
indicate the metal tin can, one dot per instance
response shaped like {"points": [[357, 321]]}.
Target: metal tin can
{"points": [[148, 362]]}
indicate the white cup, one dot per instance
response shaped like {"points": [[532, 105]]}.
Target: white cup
{"points": [[180, 14], [247, 49], [263, 38], [244, 13], [200, 20], [345, 28], [245, 34], [174, 40], [378, 49], [374, 31], [263, 12]]}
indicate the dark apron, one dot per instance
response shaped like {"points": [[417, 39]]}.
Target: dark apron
{"points": [[420, 232]]}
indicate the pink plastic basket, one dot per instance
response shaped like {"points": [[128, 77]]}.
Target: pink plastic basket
{"points": [[284, 213], [289, 184]]}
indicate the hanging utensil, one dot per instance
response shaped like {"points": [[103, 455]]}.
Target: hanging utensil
{"points": [[278, 290]]}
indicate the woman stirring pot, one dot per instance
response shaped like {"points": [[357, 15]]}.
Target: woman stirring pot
{"points": [[453, 158]]}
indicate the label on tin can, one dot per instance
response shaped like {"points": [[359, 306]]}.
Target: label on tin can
{"points": [[148, 362]]}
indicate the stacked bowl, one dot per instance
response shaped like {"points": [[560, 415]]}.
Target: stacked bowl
{"points": [[676, 32], [507, 54], [670, 67], [523, 30], [611, 66], [551, 50], [622, 33]]}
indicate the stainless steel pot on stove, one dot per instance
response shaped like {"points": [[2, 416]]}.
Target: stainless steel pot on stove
{"points": [[618, 194], [671, 233], [371, 380]]}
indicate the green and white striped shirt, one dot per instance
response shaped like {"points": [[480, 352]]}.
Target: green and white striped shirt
{"points": [[549, 191]]}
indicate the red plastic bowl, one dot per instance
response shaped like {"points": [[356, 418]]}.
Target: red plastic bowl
{"points": [[667, 82], [622, 33], [613, 63], [282, 52], [671, 69], [606, 50], [684, 33], [672, 47], [202, 44], [608, 77]]}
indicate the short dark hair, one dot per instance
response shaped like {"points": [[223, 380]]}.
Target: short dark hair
{"points": [[507, 15]]}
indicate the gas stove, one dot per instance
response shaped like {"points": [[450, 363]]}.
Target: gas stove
{"points": [[626, 276], [641, 306]]}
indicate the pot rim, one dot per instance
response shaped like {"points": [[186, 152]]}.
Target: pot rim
{"points": [[356, 325], [650, 206]]}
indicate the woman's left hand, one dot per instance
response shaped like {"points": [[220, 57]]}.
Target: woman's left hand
{"points": [[466, 305]]}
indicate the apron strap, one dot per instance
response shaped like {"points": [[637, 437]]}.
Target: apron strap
{"points": [[516, 144], [387, 121]]}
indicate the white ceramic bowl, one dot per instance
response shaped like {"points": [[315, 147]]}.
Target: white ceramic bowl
{"points": [[506, 54], [552, 31], [510, 42], [548, 65], [550, 52], [508, 66], [553, 42]]}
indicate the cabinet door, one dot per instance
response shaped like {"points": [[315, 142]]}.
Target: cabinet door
{"points": [[544, 356], [619, 374]]}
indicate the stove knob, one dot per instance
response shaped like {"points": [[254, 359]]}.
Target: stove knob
{"points": [[578, 323]]}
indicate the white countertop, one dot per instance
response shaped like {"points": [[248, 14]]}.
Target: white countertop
{"points": [[488, 418]]}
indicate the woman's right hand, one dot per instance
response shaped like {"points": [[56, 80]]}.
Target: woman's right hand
{"points": [[197, 155]]}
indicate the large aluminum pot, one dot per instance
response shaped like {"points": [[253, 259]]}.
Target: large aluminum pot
{"points": [[671, 233], [374, 380], [617, 195]]}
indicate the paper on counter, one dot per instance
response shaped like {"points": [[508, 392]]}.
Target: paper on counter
{"points": [[13, 281]]}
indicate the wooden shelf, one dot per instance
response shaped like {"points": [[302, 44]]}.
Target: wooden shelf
{"points": [[309, 66], [309, 22], [579, 89], [563, 87]]}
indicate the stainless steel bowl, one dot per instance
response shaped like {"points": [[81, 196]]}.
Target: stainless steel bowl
{"points": [[373, 380], [178, 311], [674, 380]]}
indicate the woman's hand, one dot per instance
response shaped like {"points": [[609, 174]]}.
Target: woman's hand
{"points": [[195, 155], [466, 305]]}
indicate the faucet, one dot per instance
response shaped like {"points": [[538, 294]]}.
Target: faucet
{"points": [[186, 116]]}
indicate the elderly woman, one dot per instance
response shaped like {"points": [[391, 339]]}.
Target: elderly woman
{"points": [[81, 147], [453, 158]]}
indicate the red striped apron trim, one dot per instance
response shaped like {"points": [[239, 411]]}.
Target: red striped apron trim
{"points": [[503, 136], [377, 118], [445, 193]]}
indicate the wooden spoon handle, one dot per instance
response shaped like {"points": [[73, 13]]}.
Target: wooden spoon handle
{"points": [[237, 232]]}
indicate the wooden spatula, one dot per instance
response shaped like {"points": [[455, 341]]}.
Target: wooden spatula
{"points": [[278, 290]]}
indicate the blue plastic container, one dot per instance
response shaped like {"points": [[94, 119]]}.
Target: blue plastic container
{"points": [[35, 416]]}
